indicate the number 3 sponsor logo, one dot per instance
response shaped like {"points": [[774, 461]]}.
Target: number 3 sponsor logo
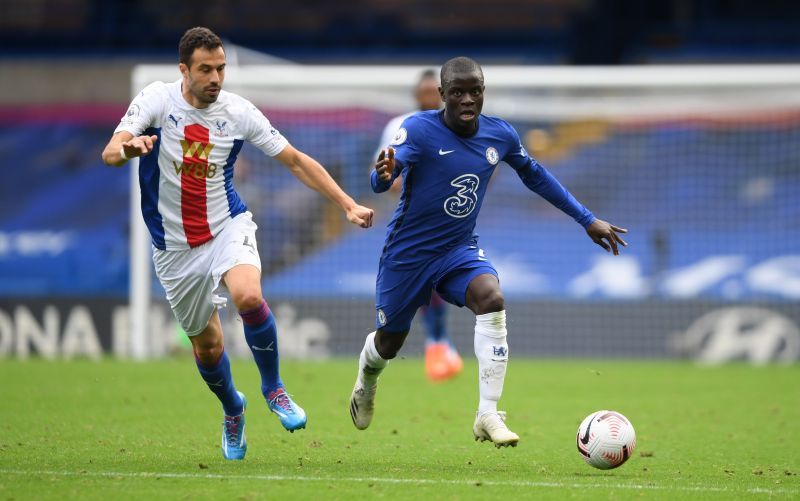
{"points": [[464, 201]]}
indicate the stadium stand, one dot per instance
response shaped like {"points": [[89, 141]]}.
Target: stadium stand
{"points": [[689, 197]]}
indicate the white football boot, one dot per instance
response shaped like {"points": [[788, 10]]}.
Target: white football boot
{"points": [[492, 426], [362, 405]]}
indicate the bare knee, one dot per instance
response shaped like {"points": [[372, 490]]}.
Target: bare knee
{"points": [[209, 344], [484, 296], [488, 301], [247, 299], [388, 344], [208, 352], [494, 302]]}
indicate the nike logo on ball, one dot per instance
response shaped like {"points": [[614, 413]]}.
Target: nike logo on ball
{"points": [[585, 437], [442, 152]]}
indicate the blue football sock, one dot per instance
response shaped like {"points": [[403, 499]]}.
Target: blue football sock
{"points": [[262, 338], [219, 380], [434, 317]]}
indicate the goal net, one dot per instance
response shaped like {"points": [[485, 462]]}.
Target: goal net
{"points": [[701, 164]]}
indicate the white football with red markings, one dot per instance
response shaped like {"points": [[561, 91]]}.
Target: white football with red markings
{"points": [[606, 439]]}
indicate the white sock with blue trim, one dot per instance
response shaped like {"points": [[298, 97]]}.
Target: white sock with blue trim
{"points": [[491, 350]]}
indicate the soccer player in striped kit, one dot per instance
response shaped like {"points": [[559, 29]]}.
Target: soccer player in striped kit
{"points": [[188, 134]]}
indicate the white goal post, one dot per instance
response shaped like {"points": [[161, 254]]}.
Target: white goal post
{"points": [[531, 92]]}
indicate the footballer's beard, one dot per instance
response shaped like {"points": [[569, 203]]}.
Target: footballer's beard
{"points": [[208, 94], [213, 92]]}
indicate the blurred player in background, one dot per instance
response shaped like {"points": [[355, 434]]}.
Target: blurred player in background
{"points": [[188, 134], [441, 358], [446, 159]]}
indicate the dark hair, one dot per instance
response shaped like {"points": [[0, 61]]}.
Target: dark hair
{"points": [[195, 38], [458, 65], [426, 75]]}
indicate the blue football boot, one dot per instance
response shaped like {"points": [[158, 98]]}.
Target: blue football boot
{"points": [[234, 444], [292, 416]]}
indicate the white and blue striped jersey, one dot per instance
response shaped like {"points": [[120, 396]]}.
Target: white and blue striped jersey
{"points": [[187, 180]]}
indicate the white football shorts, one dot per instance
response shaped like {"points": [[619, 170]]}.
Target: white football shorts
{"points": [[191, 277]]}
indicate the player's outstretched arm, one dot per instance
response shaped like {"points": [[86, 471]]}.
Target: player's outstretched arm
{"points": [[606, 235], [123, 146], [313, 175]]}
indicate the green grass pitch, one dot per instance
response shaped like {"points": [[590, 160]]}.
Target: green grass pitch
{"points": [[123, 430]]}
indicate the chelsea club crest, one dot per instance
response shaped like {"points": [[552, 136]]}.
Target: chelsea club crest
{"points": [[492, 156]]}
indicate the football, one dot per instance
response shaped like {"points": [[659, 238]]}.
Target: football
{"points": [[606, 439]]}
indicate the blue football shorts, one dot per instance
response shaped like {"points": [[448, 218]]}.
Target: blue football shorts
{"points": [[399, 292]]}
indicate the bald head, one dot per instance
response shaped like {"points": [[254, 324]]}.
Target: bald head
{"points": [[459, 66]]}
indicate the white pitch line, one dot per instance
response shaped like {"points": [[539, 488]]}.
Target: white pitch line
{"points": [[390, 480]]}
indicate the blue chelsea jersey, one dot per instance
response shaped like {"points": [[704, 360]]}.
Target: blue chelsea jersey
{"points": [[445, 177]]}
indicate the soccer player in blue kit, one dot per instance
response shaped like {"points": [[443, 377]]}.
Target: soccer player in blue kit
{"points": [[446, 159], [442, 360]]}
